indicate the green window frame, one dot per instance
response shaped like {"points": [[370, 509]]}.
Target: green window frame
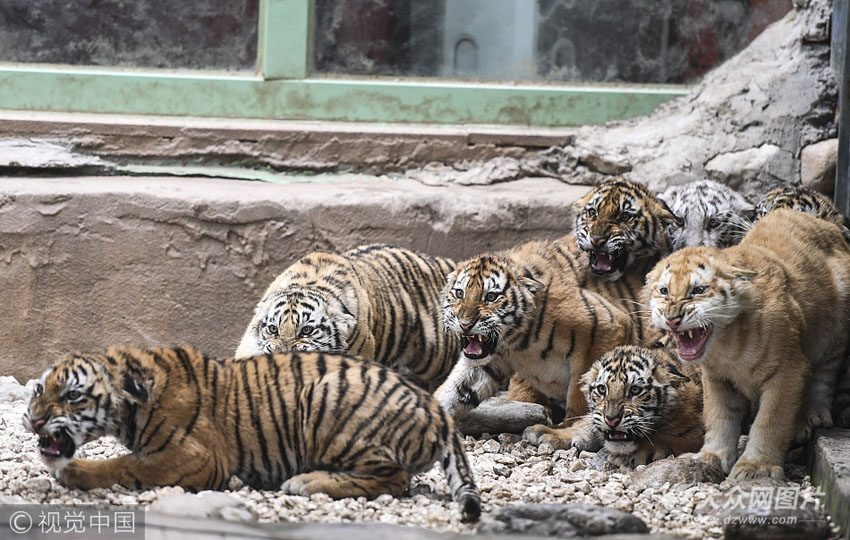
{"points": [[284, 88]]}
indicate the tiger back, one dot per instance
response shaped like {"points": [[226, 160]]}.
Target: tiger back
{"points": [[807, 201], [536, 311], [379, 302], [303, 423]]}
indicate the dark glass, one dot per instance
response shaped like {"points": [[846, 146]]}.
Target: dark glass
{"points": [[636, 41], [216, 34]]}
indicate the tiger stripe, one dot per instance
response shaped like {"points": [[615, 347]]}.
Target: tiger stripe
{"points": [[377, 301], [299, 422]]}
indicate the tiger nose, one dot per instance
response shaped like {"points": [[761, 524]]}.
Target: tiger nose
{"points": [[467, 326], [674, 323], [613, 420], [597, 241]]}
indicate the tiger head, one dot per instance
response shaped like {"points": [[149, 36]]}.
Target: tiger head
{"points": [[628, 391], [619, 222], [804, 200], [80, 398], [694, 295], [486, 302], [302, 319], [712, 214]]}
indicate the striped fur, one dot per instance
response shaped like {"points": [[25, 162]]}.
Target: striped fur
{"points": [[619, 223], [642, 407], [712, 214], [534, 310], [379, 302], [767, 322], [300, 422], [804, 200]]}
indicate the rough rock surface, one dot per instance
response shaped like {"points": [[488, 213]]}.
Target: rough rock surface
{"points": [[745, 123], [830, 466], [677, 471], [817, 166], [206, 504], [508, 472], [498, 415], [90, 262], [562, 520]]}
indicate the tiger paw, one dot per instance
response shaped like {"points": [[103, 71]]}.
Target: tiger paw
{"points": [[749, 469], [815, 418], [559, 439], [300, 484]]}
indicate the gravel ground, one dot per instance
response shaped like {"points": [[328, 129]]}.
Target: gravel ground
{"points": [[507, 471]]}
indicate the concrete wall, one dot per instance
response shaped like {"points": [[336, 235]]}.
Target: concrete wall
{"points": [[90, 262]]}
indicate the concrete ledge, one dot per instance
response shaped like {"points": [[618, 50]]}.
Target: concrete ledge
{"points": [[289, 145], [87, 262], [829, 465]]}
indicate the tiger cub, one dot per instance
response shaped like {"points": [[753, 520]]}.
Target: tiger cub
{"points": [[533, 310], [712, 214], [300, 422], [804, 200], [767, 321], [642, 408], [378, 302], [621, 223]]}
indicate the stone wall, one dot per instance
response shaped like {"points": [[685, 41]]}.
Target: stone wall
{"points": [[88, 262]]}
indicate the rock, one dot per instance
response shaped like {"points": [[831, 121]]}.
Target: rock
{"points": [[677, 471], [39, 154], [736, 168], [206, 504], [498, 415], [830, 469], [12, 390], [562, 520], [817, 166]]}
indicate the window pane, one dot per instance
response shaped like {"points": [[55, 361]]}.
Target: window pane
{"points": [[665, 41], [212, 34]]}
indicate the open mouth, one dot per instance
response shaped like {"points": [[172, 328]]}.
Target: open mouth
{"points": [[604, 262], [691, 343], [476, 347], [619, 436], [57, 447]]}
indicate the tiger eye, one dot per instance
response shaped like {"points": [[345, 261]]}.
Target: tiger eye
{"points": [[491, 297]]}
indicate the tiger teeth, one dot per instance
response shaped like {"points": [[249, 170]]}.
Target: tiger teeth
{"points": [[691, 334]]}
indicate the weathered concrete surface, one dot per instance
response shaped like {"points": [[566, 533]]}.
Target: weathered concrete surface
{"points": [[744, 124], [829, 465], [90, 262], [562, 520], [282, 145]]}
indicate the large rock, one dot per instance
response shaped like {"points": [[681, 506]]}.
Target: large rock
{"points": [[829, 464], [498, 415], [677, 471], [817, 166], [562, 520], [12, 390], [206, 504], [90, 262]]}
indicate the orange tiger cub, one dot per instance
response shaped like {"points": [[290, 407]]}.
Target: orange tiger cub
{"points": [[642, 408], [300, 422], [378, 302], [767, 322], [531, 310]]}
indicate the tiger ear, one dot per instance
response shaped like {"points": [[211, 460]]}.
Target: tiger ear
{"points": [[736, 272], [529, 282], [134, 389], [587, 379], [667, 216], [580, 203], [677, 378]]}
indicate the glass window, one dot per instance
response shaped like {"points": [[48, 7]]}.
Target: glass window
{"points": [[214, 34], [635, 41]]}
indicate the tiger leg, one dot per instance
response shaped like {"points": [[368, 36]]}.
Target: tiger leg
{"points": [[646, 452], [469, 384], [580, 435], [841, 400], [522, 390], [201, 472], [816, 409], [339, 485]]}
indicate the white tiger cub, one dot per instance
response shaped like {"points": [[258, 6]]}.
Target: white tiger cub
{"points": [[713, 215]]}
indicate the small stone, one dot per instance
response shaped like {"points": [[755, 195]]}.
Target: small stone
{"points": [[577, 465]]}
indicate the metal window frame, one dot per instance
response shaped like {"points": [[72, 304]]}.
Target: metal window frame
{"points": [[285, 88]]}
